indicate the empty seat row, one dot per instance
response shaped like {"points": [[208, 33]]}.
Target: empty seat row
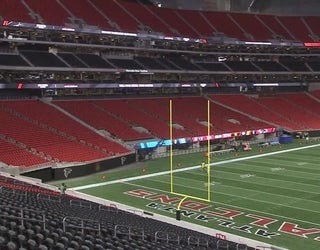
{"points": [[32, 221], [137, 17], [87, 60]]}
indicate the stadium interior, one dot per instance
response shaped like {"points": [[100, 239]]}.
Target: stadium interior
{"points": [[87, 83]]}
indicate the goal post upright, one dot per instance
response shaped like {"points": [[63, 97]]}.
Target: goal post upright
{"points": [[208, 154], [171, 142], [208, 180]]}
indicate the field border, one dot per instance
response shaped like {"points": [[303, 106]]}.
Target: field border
{"points": [[191, 168]]}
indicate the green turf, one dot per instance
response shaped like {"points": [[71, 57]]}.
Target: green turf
{"points": [[284, 187]]}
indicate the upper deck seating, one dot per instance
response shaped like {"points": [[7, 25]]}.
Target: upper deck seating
{"points": [[294, 63], [125, 63], [198, 21], [213, 66], [182, 63], [102, 119], [269, 66], [12, 60], [94, 61], [72, 60], [241, 66], [300, 31], [150, 21], [223, 24], [120, 18], [313, 24], [150, 63], [86, 11], [307, 108], [278, 31], [253, 27], [177, 24], [316, 93], [43, 59], [15, 10], [256, 107], [138, 18], [141, 115], [50, 11], [314, 63]]}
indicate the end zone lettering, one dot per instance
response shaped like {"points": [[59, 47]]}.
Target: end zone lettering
{"points": [[173, 210], [225, 216]]}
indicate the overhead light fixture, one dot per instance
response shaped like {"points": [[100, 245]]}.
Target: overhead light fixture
{"points": [[265, 84]]}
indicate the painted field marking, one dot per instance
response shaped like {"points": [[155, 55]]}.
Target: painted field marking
{"points": [[234, 206], [277, 169], [247, 175], [258, 177], [302, 163], [294, 200], [211, 183], [190, 168]]}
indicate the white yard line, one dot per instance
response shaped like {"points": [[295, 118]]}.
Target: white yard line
{"points": [[294, 199], [257, 177], [190, 168]]}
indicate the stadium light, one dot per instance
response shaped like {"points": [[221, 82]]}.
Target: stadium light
{"points": [[265, 84]]}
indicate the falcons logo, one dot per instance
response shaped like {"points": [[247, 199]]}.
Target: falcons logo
{"points": [[67, 172]]}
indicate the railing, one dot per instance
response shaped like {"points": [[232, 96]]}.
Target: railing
{"points": [[22, 213], [222, 151], [109, 208], [178, 152], [11, 191], [131, 232], [82, 224], [195, 241], [161, 236], [47, 197], [81, 203]]}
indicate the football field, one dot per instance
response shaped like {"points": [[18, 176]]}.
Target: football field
{"points": [[270, 195]]}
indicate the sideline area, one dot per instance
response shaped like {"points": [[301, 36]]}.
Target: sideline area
{"points": [[191, 168]]}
